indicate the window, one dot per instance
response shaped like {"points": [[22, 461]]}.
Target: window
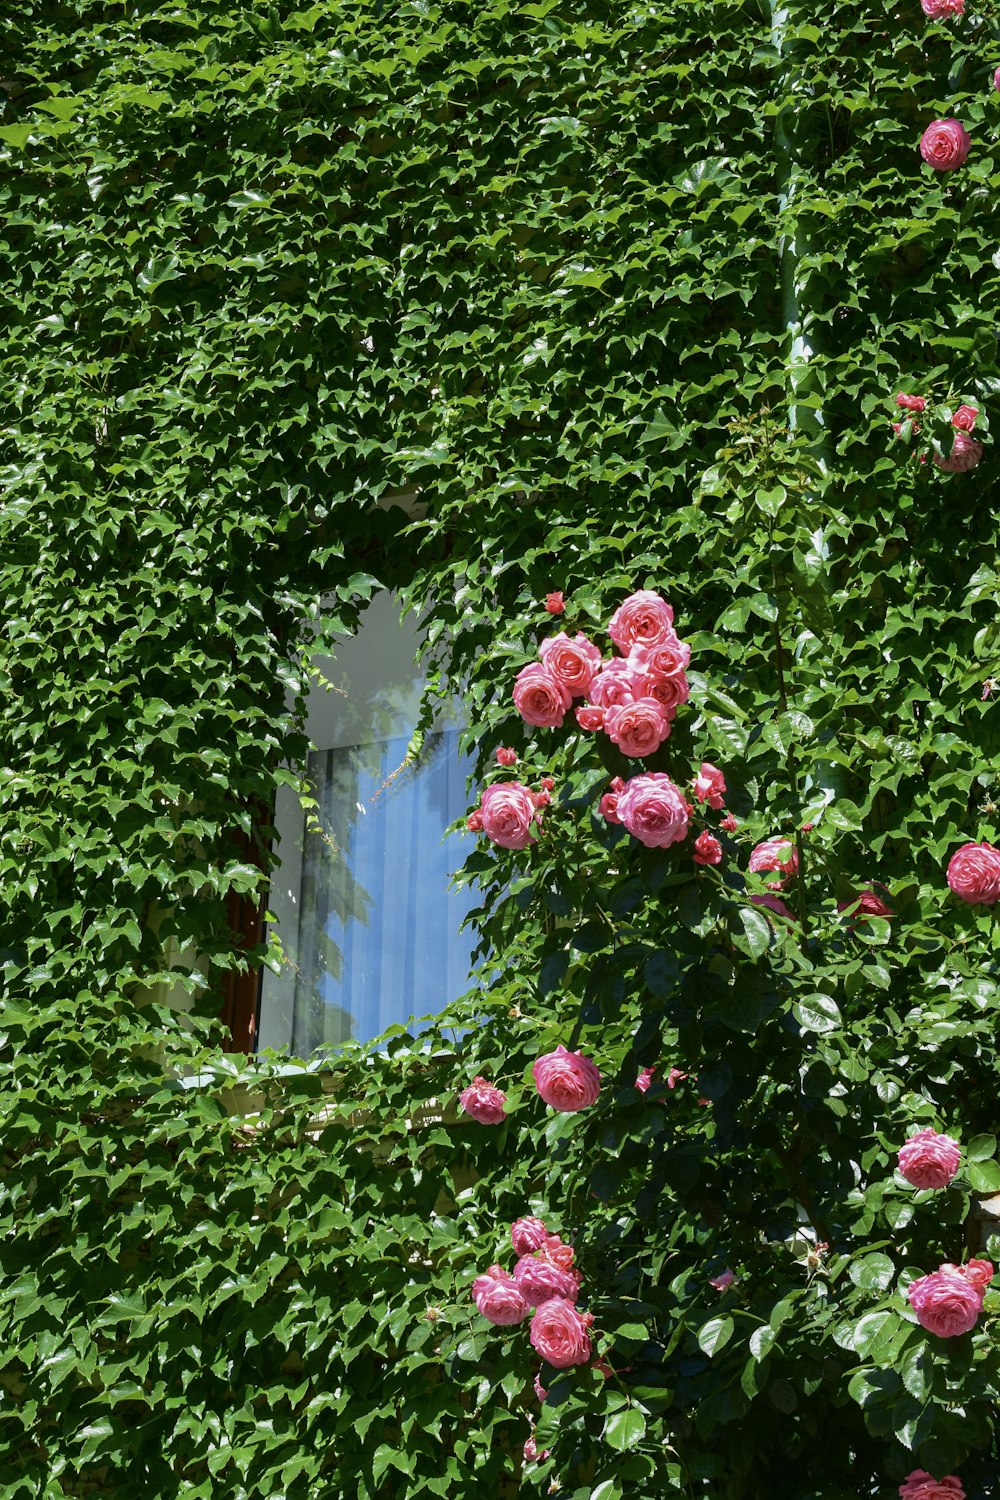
{"points": [[367, 924]]}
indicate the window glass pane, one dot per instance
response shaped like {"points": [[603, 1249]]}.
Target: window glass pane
{"points": [[367, 923]]}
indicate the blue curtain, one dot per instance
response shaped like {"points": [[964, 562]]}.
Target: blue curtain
{"points": [[378, 939]]}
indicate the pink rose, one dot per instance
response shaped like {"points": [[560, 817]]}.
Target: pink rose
{"points": [[566, 1080], [637, 728], [868, 905], [974, 874], [559, 1334], [540, 1390], [729, 823], [508, 811], [506, 756], [929, 1160], [722, 1281], [996, 80], [608, 808], [965, 455], [668, 658], [539, 697], [554, 604], [671, 693], [965, 418], [653, 810], [573, 663], [643, 620], [538, 1278], [675, 1077], [911, 403], [775, 854], [978, 1272], [589, 717], [775, 904], [531, 1453], [710, 785], [498, 1298], [922, 1486], [615, 683], [937, 8], [944, 145], [527, 1235], [707, 850], [483, 1102], [474, 822], [945, 1302], [644, 1079]]}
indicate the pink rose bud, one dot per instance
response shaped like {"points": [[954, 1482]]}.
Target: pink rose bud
{"points": [[508, 812], [644, 1079], [527, 1235], [608, 807], [541, 799], [538, 1279], [573, 663], [936, 9], [559, 1334], [589, 717], [919, 1485], [707, 850], [944, 145], [945, 1302], [868, 905], [710, 786], [775, 854], [729, 823], [911, 403], [965, 418], [506, 756], [965, 455], [531, 1453], [483, 1102], [974, 874], [722, 1281], [554, 604], [929, 1160], [996, 80], [675, 1077], [653, 810], [539, 697], [566, 1080], [540, 1390], [547, 784], [474, 822], [643, 620], [498, 1299]]}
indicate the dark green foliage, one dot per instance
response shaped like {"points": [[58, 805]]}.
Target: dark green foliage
{"points": [[266, 269]]}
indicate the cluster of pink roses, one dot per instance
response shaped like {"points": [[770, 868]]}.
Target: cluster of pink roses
{"points": [[566, 1080], [966, 451], [949, 1300], [508, 811], [545, 1284], [974, 874], [633, 698]]}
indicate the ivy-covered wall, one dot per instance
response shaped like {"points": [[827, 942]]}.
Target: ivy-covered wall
{"points": [[568, 272]]}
